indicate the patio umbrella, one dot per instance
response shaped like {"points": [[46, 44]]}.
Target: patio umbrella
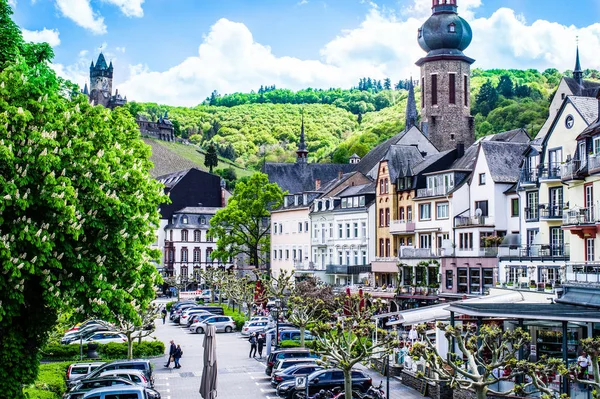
{"points": [[208, 385]]}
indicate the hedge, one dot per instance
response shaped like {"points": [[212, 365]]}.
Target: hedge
{"points": [[50, 382], [170, 305], [105, 351], [238, 318], [291, 343]]}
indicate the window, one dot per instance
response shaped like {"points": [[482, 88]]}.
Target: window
{"points": [[209, 254], [306, 226], [281, 254], [184, 220], [274, 228], [184, 254], [596, 146], [299, 227], [422, 91], [340, 231], [409, 213], [197, 254], [482, 179], [381, 186], [387, 247], [463, 281], [475, 281], [197, 235], [387, 216], [386, 185], [514, 207], [589, 249], [466, 90], [483, 205], [434, 89], [452, 28], [348, 258], [170, 235], [356, 257], [465, 241], [452, 87], [202, 220], [381, 218], [347, 230], [420, 33], [364, 257], [425, 211], [516, 274], [381, 247], [425, 241], [442, 211], [569, 121], [355, 230], [488, 278], [532, 205], [294, 254], [184, 235], [401, 213], [363, 227], [344, 202], [449, 279], [361, 200], [287, 254], [300, 255]]}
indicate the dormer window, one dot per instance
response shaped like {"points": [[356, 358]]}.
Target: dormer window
{"points": [[452, 28], [184, 220], [420, 34]]}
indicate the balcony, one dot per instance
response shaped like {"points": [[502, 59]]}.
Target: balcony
{"points": [[346, 269], [550, 171], [594, 163], [574, 169], [402, 227], [466, 221], [551, 211], [580, 216], [583, 272], [532, 214], [535, 252], [408, 252], [433, 192], [529, 177]]}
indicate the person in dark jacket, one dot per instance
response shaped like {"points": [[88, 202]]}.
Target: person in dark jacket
{"points": [[260, 342], [177, 355], [164, 314], [172, 349], [253, 342]]}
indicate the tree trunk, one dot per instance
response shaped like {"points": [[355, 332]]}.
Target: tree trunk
{"points": [[254, 260], [129, 346], [481, 392], [348, 384], [302, 329]]}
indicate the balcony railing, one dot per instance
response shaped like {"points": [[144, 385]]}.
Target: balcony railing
{"points": [[529, 176], [535, 252], [594, 163], [551, 211], [463, 221], [550, 171], [416, 253], [579, 216], [402, 226], [583, 272], [433, 192], [532, 214], [347, 269], [575, 169]]}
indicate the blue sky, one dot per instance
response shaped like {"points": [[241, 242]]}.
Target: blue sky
{"points": [[178, 51]]}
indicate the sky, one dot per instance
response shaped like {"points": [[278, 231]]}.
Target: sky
{"points": [[177, 52]]}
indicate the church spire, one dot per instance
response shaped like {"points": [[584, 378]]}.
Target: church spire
{"points": [[411, 107], [577, 72], [302, 152]]}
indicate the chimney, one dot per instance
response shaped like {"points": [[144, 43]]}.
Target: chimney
{"points": [[340, 174], [317, 184], [460, 150]]}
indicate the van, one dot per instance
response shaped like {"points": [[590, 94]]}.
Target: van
{"points": [[285, 354], [294, 335], [129, 392]]}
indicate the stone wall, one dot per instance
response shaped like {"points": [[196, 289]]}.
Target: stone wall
{"points": [[434, 390], [467, 394]]}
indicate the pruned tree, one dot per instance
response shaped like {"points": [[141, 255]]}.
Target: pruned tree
{"points": [[346, 341], [138, 327], [540, 374], [305, 312], [243, 291], [485, 349], [315, 288], [214, 278], [181, 282], [592, 347]]}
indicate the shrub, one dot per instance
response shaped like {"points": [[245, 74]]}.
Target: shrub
{"points": [[289, 343], [170, 305], [111, 350], [34, 393], [238, 318], [58, 351], [50, 382]]}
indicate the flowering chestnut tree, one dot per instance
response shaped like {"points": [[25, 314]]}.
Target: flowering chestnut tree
{"points": [[77, 207]]}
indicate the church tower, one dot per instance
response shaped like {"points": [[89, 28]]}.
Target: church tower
{"points": [[302, 152], [101, 78], [445, 77]]}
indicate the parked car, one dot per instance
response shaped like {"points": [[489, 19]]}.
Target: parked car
{"points": [[256, 327], [273, 331], [79, 326], [283, 364], [217, 310], [77, 371], [223, 323], [258, 318], [277, 377], [294, 335], [136, 376], [197, 320], [129, 392], [135, 364], [183, 320], [85, 385], [85, 332], [103, 337], [285, 354], [327, 379]]}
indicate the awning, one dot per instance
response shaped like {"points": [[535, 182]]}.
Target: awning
{"points": [[511, 240], [384, 267], [582, 296], [529, 311], [416, 296]]}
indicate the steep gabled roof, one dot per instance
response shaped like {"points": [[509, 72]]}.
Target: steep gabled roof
{"points": [[587, 107], [399, 158], [300, 177], [514, 136], [373, 157], [171, 179], [368, 188], [503, 160], [589, 88]]}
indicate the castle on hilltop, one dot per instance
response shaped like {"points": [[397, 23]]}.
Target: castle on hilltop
{"points": [[100, 93]]}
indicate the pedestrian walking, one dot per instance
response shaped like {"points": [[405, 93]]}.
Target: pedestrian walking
{"points": [[177, 355], [260, 341], [164, 314], [253, 342], [172, 349]]}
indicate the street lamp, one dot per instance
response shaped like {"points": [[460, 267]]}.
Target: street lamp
{"points": [[276, 312]]}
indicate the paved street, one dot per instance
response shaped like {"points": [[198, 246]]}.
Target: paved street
{"points": [[239, 376]]}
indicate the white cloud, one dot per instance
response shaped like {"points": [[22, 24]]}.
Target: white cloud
{"points": [[131, 8], [83, 53], [120, 49], [383, 45], [81, 12], [12, 3], [302, 2], [50, 36]]}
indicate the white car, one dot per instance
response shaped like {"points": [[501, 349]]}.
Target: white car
{"points": [[103, 337], [136, 376], [199, 320], [222, 323], [183, 320], [256, 327], [258, 318]]}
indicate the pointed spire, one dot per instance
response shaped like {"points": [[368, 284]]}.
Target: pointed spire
{"points": [[101, 63], [302, 152], [577, 72], [411, 107], [85, 90]]}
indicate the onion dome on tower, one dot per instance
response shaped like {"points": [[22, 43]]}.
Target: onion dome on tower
{"points": [[445, 34]]}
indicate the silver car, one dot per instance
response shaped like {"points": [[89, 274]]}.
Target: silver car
{"points": [[136, 376], [223, 323]]}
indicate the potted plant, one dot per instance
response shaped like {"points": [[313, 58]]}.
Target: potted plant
{"points": [[509, 284], [548, 287], [532, 285]]}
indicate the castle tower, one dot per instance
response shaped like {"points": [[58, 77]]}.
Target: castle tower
{"points": [[411, 107], [302, 152], [445, 77], [101, 78]]}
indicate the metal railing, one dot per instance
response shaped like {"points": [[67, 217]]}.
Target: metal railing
{"points": [[433, 192], [529, 176], [551, 211], [583, 272], [550, 171], [577, 216], [416, 253], [574, 169], [347, 269], [594, 163], [462, 221], [535, 252], [402, 226]]}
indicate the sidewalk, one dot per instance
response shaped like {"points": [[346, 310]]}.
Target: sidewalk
{"points": [[397, 389]]}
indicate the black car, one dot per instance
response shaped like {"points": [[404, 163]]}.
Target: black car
{"points": [[285, 354], [86, 385], [135, 364], [326, 379], [292, 372]]}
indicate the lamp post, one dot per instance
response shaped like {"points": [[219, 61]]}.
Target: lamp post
{"points": [[276, 312]]}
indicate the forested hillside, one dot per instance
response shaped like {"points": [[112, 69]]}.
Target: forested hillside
{"points": [[249, 127]]}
